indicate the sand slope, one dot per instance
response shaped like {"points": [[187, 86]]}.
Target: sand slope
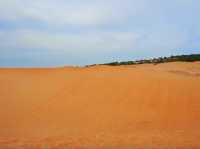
{"points": [[139, 106]]}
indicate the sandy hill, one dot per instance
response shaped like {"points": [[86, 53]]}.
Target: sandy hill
{"points": [[122, 107]]}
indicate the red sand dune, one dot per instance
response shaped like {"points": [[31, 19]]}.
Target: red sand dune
{"points": [[104, 107]]}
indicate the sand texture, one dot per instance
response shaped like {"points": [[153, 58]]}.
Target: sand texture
{"points": [[102, 107]]}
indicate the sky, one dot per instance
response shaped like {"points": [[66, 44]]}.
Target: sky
{"points": [[48, 33]]}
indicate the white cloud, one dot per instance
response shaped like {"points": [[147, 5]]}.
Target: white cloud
{"points": [[68, 12], [93, 43], [61, 42]]}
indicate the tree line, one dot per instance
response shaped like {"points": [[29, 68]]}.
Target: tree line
{"points": [[177, 58]]}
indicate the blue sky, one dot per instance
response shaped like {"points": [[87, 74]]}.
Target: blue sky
{"points": [[40, 33]]}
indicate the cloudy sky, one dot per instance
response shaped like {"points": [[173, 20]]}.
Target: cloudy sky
{"points": [[36, 33]]}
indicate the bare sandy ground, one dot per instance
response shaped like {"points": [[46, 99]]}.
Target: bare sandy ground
{"points": [[123, 107]]}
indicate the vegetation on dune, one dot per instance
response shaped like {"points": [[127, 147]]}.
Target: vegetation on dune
{"points": [[177, 58]]}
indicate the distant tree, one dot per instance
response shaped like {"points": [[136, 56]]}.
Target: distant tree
{"points": [[182, 58]]}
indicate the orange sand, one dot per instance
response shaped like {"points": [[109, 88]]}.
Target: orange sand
{"points": [[104, 107]]}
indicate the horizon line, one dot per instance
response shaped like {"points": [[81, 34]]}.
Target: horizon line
{"points": [[92, 64]]}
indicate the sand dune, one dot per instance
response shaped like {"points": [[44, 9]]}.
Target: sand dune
{"points": [[122, 107]]}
